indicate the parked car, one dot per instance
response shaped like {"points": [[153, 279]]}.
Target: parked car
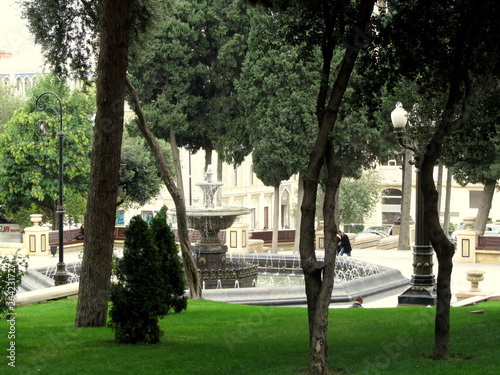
{"points": [[384, 228], [489, 230], [366, 232]]}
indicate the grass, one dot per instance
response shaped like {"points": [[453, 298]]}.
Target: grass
{"points": [[217, 338]]}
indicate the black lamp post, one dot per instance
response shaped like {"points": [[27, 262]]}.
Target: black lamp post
{"points": [[61, 276], [422, 290]]}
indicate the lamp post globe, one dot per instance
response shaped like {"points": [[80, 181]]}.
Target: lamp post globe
{"points": [[399, 117]]}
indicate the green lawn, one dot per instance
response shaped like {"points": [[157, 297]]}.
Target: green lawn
{"points": [[217, 338]]}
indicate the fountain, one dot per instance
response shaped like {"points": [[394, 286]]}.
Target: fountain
{"points": [[210, 252]]}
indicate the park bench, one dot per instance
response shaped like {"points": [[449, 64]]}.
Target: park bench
{"points": [[487, 249], [70, 241], [69, 238]]}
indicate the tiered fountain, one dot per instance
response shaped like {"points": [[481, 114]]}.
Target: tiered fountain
{"points": [[210, 252]]}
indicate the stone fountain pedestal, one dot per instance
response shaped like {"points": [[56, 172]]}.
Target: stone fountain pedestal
{"points": [[216, 271], [210, 252]]}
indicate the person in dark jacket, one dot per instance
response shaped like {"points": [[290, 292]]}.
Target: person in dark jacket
{"points": [[345, 244], [358, 301]]}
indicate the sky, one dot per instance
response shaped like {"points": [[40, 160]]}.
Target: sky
{"points": [[14, 35]]}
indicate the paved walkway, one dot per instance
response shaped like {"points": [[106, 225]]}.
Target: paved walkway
{"points": [[402, 260], [397, 259]]}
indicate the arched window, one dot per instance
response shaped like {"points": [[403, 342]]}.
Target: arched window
{"points": [[285, 209]]}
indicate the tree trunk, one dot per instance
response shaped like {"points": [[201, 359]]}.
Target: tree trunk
{"points": [[319, 275], [439, 187], [276, 218], [208, 157], [321, 202], [176, 159], [103, 187], [446, 220], [485, 206], [218, 197], [178, 197], [298, 219], [404, 221], [444, 252]]}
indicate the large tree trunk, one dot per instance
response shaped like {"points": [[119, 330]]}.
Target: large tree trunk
{"points": [[444, 252], [485, 206], [276, 218], [103, 188], [319, 275], [178, 197], [442, 246]]}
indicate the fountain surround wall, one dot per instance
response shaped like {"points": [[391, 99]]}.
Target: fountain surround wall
{"points": [[216, 271]]}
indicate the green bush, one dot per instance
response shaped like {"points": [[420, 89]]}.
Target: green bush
{"points": [[149, 282], [171, 265], [12, 270]]}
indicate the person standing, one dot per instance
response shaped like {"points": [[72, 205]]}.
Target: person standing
{"points": [[339, 243], [345, 244]]}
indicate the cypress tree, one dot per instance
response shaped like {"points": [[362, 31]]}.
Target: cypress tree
{"points": [[145, 289]]}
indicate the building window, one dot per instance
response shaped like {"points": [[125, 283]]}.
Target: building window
{"points": [[475, 198], [391, 205]]}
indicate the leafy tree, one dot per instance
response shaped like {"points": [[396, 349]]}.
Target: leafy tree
{"points": [[150, 282], [70, 35], [175, 190], [279, 109], [473, 153], [330, 25], [182, 83], [23, 153], [185, 77], [10, 103], [447, 49], [358, 197], [139, 178]]}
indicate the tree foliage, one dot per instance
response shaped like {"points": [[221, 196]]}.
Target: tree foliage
{"points": [[10, 102], [68, 30], [473, 153], [277, 89], [358, 197], [447, 49], [329, 25], [185, 76], [149, 282], [23, 153], [139, 177]]}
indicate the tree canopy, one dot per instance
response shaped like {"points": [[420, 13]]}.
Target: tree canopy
{"points": [[139, 177], [10, 102], [277, 91], [23, 153], [185, 76]]}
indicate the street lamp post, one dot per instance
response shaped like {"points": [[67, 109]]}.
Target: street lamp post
{"points": [[422, 290], [61, 276]]}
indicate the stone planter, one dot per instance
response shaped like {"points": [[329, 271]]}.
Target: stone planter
{"points": [[475, 276]]}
